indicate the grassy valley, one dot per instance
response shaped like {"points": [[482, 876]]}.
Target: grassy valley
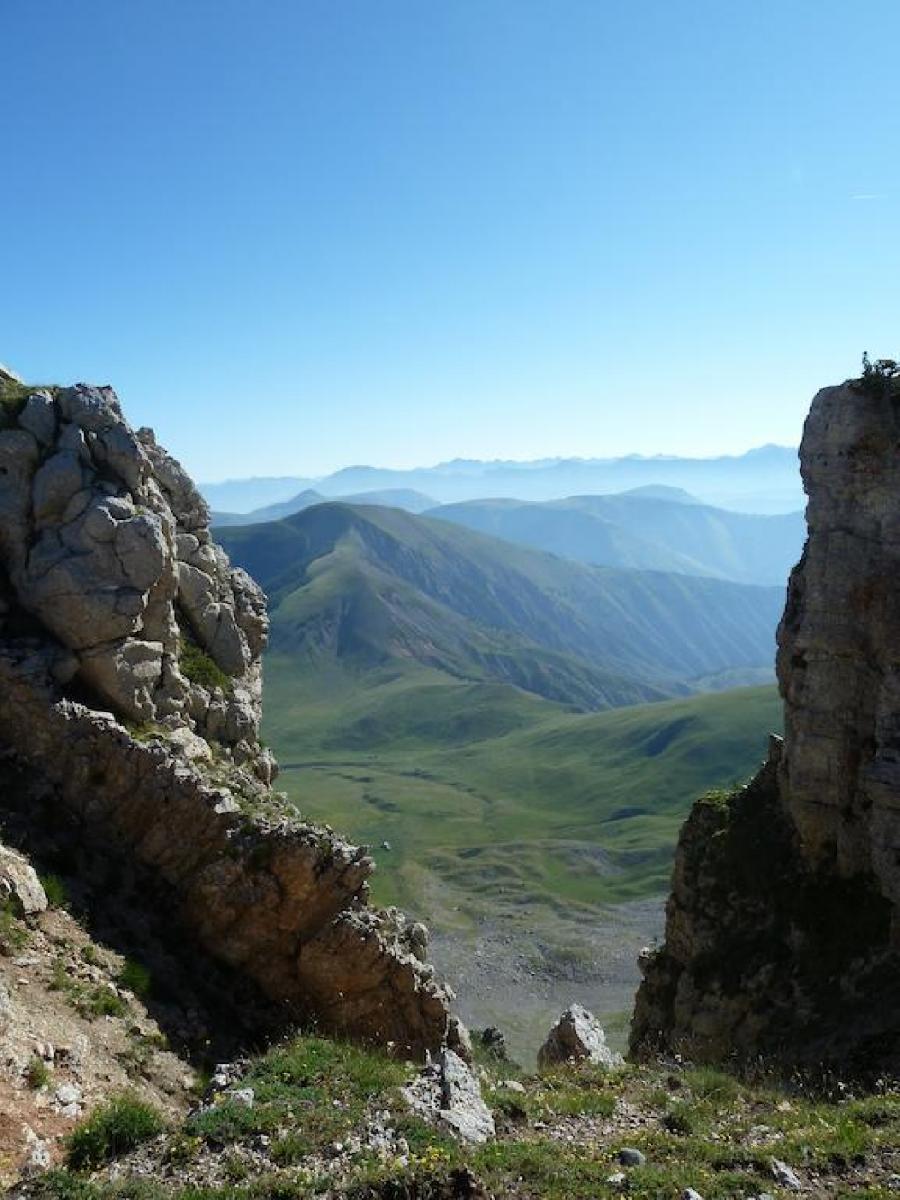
{"points": [[535, 841]]}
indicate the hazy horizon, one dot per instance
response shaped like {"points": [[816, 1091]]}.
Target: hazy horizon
{"points": [[661, 456]]}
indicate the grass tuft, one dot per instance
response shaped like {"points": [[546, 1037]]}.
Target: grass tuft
{"points": [[112, 1129]]}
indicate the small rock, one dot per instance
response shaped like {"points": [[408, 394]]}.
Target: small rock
{"points": [[617, 1179], [68, 1093], [786, 1176], [513, 1085], [224, 1074], [245, 1096], [67, 1100], [5, 1007], [38, 1157], [630, 1157]]}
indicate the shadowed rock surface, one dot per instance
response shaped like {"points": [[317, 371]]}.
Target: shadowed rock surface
{"points": [[783, 926], [130, 680]]}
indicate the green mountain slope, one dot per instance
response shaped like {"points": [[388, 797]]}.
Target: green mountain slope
{"points": [[479, 782], [645, 531], [370, 586]]}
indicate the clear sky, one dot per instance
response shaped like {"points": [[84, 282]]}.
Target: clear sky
{"points": [[299, 234]]}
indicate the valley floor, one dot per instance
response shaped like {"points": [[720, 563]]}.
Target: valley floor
{"points": [[519, 972]]}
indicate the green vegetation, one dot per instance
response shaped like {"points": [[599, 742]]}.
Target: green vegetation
{"points": [[55, 891], [13, 396], [197, 666], [876, 377], [489, 791], [559, 1140], [13, 932], [94, 1000], [136, 977], [307, 1092], [112, 1129], [37, 1073]]}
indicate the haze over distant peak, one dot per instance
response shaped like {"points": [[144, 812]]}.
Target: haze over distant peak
{"points": [[765, 479]]}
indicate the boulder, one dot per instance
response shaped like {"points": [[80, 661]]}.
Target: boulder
{"points": [[577, 1037], [19, 884], [447, 1094]]}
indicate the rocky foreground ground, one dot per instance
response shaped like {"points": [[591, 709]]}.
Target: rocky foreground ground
{"points": [[97, 1105]]}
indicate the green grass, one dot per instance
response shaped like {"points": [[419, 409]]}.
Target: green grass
{"points": [[55, 890], [14, 935], [197, 666], [490, 791], [112, 1129], [307, 1093], [90, 1000], [37, 1073], [724, 1150], [136, 977]]}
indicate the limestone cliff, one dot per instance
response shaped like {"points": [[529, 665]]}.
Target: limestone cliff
{"points": [[783, 926], [130, 683]]}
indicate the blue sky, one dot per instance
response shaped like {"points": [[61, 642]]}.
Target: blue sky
{"points": [[296, 235]]}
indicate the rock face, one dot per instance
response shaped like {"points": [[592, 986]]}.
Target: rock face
{"points": [[783, 929], [130, 678], [577, 1037], [105, 542]]}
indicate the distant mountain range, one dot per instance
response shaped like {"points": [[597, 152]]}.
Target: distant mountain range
{"points": [[764, 480], [653, 528], [404, 498], [365, 587], [660, 529]]}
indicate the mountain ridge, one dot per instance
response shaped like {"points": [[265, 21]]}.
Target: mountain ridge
{"points": [[377, 583], [645, 531]]}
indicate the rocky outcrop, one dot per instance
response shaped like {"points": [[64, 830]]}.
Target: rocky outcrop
{"points": [[783, 927], [130, 679], [577, 1037]]}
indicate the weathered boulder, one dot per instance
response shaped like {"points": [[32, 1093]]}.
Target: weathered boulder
{"points": [[783, 925], [19, 884], [577, 1037], [447, 1094]]}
